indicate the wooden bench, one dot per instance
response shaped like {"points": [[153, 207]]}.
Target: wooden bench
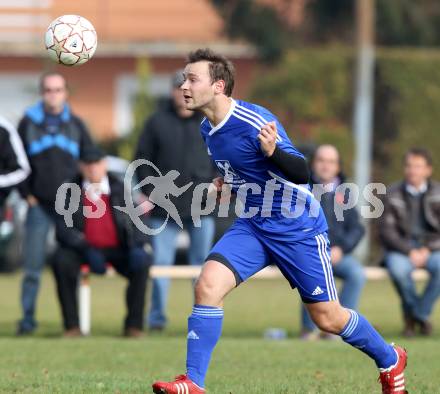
{"points": [[191, 272]]}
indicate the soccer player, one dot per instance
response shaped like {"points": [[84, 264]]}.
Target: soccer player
{"points": [[253, 152]]}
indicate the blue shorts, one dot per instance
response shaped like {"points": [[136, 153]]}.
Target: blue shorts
{"points": [[304, 263]]}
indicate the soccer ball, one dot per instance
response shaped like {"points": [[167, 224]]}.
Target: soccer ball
{"points": [[71, 40]]}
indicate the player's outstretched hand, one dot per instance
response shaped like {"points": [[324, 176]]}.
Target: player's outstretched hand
{"points": [[218, 183], [216, 189], [268, 138], [216, 186]]}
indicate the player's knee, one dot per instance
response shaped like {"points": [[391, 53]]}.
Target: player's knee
{"points": [[199, 288], [207, 291]]}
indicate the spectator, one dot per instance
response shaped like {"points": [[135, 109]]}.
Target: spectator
{"points": [[410, 232], [54, 139], [14, 165], [171, 140], [344, 234], [111, 238]]}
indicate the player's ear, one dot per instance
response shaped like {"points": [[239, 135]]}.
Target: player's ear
{"points": [[219, 86]]}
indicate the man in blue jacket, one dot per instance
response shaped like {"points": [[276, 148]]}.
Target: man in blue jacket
{"points": [[54, 140], [344, 234]]}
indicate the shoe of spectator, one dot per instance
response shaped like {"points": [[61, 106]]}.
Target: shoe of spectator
{"points": [[156, 328], [426, 328], [132, 332], [409, 329], [22, 331], [72, 333]]}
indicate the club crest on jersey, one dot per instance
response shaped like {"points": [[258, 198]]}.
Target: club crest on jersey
{"points": [[229, 174]]}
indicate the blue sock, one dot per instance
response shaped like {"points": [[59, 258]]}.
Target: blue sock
{"points": [[359, 333], [204, 330]]}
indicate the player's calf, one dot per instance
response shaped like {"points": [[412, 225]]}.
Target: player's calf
{"points": [[391, 360], [329, 316]]}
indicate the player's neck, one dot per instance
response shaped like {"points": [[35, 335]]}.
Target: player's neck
{"points": [[218, 109]]}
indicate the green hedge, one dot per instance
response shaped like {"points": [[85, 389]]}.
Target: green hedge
{"points": [[312, 93], [413, 77]]}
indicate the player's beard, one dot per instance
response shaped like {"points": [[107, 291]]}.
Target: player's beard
{"points": [[192, 105], [200, 104]]}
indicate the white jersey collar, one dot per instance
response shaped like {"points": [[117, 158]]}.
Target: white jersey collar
{"points": [[225, 119]]}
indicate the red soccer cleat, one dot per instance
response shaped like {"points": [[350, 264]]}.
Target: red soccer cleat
{"points": [[393, 380], [181, 385]]}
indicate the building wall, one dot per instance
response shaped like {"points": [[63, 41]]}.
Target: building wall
{"points": [[115, 20], [101, 90]]}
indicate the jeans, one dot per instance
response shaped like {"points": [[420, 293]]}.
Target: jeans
{"points": [[400, 269], [37, 226], [352, 273], [164, 248]]}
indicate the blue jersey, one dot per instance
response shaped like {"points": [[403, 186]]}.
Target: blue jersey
{"points": [[271, 203]]}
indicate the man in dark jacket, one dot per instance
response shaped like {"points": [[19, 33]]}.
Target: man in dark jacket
{"points": [[410, 233], [344, 235], [54, 139], [97, 238], [14, 165], [171, 140]]}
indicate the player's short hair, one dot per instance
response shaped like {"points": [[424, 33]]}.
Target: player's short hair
{"points": [[220, 68], [47, 74], [421, 152]]}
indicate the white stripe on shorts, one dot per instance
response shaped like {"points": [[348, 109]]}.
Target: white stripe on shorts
{"points": [[324, 268], [329, 265]]}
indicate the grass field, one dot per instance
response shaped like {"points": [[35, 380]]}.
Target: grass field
{"points": [[243, 362]]}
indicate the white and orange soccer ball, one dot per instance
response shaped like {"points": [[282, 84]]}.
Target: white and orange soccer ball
{"points": [[71, 40]]}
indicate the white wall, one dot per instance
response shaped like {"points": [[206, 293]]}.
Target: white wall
{"points": [[125, 89], [17, 91]]}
